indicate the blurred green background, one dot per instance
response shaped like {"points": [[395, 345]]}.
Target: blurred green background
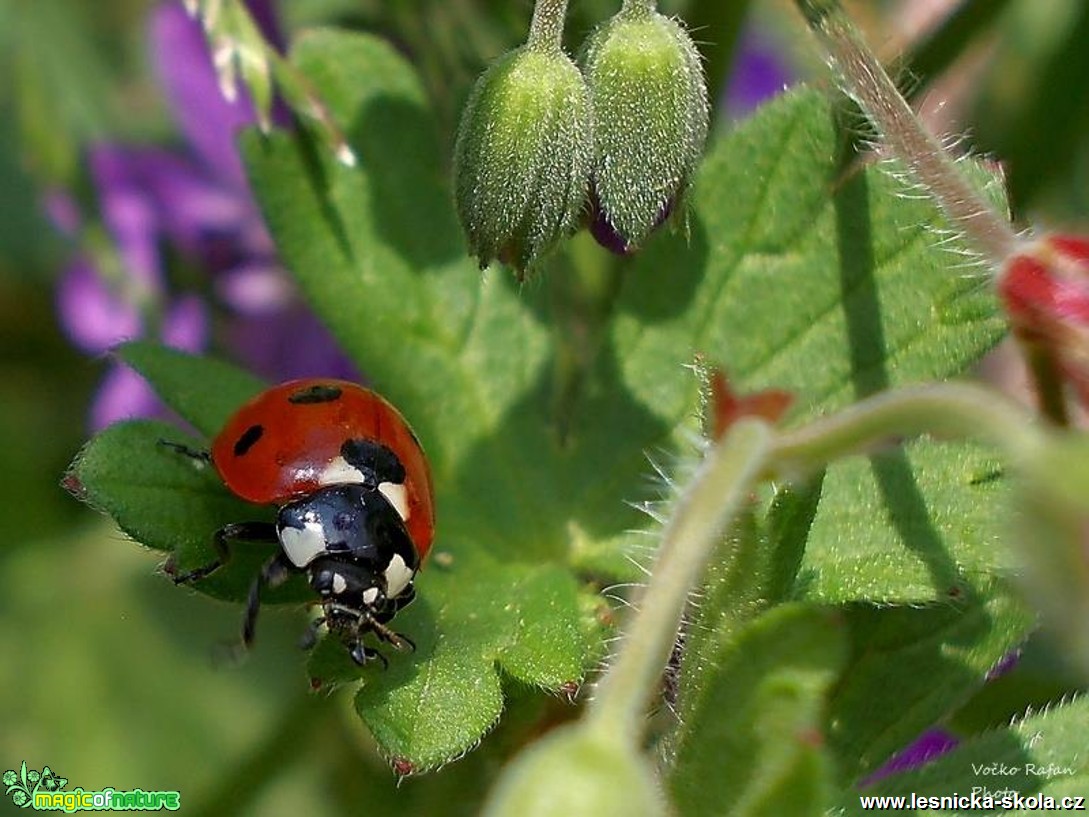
{"points": [[107, 673]]}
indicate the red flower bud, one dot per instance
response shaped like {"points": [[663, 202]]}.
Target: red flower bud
{"points": [[1045, 289]]}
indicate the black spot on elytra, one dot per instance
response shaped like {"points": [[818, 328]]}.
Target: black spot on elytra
{"points": [[249, 437], [321, 393]]}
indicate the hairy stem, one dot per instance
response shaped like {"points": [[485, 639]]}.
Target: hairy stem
{"points": [[699, 520], [546, 28], [639, 6], [864, 79], [944, 409]]}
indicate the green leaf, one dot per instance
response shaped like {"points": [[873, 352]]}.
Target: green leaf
{"points": [[796, 274], [834, 285], [519, 618], [204, 391], [789, 521], [170, 502], [751, 743], [909, 524], [1042, 755], [1040, 676], [912, 666]]}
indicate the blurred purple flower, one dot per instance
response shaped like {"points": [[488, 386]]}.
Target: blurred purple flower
{"points": [[930, 744], [196, 205], [760, 71]]}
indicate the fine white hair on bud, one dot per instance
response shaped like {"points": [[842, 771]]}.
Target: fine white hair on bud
{"points": [[651, 117], [523, 155]]}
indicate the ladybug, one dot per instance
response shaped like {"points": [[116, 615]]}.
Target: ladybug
{"points": [[355, 504]]}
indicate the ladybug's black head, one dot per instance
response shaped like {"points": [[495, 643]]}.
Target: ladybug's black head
{"points": [[358, 556], [342, 583], [354, 602]]}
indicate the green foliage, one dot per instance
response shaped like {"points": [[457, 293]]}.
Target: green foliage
{"points": [[749, 741], [912, 665], [844, 613]]}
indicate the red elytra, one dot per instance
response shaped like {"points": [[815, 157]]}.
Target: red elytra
{"points": [[276, 447]]}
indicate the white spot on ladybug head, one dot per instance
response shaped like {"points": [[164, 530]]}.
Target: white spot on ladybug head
{"points": [[303, 545], [370, 595], [395, 494], [340, 584], [340, 472], [398, 576]]}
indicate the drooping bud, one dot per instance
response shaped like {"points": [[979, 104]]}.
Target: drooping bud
{"points": [[1050, 533], [576, 770], [1045, 289], [523, 156], [650, 106]]}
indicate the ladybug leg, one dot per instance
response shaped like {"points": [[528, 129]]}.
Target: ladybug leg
{"points": [[274, 572], [198, 454], [363, 622], [384, 633], [223, 539], [310, 638], [361, 654], [406, 598], [393, 606]]}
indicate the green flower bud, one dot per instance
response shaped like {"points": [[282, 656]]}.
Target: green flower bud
{"points": [[650, 106], [523, 155], [576, 770], [1050, 533]]}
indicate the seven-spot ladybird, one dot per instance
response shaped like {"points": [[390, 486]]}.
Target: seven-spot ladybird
{"points": [[356, 512]]}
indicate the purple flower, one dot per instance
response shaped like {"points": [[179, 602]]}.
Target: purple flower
{"points": [[929, 745], [760, 72], [192, 206]]}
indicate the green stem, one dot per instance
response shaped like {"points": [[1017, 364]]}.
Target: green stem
{"points": [[305, 99], [631, 7], [702, 514], [945, 409], [1048, 380], [546, 28], [988, 232]]}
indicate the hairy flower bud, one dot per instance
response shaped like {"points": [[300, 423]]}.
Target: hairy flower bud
{"points": [[523, 155], [1045, 289], [650, 106], [575, 770]]}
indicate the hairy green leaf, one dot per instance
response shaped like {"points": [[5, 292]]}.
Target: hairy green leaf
{"points": [[912, 666], [751, 744]]}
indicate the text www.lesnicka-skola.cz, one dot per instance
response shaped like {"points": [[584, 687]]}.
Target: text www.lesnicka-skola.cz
{"points": [[979, 799]]}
